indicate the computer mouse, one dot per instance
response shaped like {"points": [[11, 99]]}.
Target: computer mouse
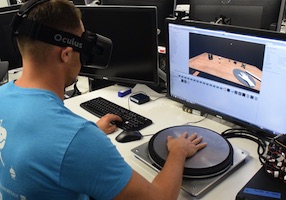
{"points": [[128, 136]]}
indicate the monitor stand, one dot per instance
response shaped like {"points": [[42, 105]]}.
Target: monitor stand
{"points": [[95, 84]]}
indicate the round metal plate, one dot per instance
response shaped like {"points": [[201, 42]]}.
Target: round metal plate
{"points": [[214, 159]]}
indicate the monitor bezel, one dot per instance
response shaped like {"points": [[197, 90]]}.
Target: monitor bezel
{"points": [[231, 29]]}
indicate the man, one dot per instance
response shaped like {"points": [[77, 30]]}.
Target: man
{"points": [[50, 153]]}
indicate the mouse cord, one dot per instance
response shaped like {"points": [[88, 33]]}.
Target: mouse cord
{"points": [[148, 135]]}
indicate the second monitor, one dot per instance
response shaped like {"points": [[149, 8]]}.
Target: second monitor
{"points": [[133, 31], [261, 14], [165, 8]]}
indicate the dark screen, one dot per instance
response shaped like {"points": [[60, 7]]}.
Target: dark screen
{"points": [[165, 9], [8, 51], [262, 14], [133, 33]]}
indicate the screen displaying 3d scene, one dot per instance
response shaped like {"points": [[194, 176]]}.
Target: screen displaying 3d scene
{"points": [[234, 62], [232, 75]]}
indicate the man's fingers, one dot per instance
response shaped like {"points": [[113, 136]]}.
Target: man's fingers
{"points": [[193, 136], [184, 135], [201, 145], [197, 140]]}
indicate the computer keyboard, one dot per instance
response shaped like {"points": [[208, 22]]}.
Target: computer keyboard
{"points": [[131, 120]]}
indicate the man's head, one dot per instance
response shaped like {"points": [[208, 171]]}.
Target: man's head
{"points": [[60, 15], [44, 26], [57, 14]]}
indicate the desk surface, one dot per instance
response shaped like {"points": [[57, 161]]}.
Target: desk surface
{"points": [[166, 113]]}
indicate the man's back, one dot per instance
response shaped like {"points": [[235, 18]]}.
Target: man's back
{"points": [[42, 146]]}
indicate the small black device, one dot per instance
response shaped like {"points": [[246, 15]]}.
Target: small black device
{"points": [[140, 98]]}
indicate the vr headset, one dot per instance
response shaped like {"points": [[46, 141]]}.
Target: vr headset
{"points": [[95, 50]]}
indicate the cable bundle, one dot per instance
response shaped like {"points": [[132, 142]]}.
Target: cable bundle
{"points": [[275, 163], [260, 138]]}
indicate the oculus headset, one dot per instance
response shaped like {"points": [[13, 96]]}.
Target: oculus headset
{"points": [[95, 50]]}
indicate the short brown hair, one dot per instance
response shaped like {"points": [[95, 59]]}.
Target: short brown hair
{"points": [[57, 14]]}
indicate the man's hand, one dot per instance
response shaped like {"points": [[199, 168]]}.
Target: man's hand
{"points": [[187, 145], [105, 123]]}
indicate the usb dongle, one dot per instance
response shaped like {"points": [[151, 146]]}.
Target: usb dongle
{"points": [[125, 92]]}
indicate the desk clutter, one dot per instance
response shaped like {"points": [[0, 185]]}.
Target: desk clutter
{"points": [[275, 159], [262, 186], [224, 184]]}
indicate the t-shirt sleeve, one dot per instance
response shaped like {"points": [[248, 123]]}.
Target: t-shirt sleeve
{"points": [[93, 166]]}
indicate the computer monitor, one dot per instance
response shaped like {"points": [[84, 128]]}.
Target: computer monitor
{"points": [[262, 14], [165, 8], [234, 73], [8, 50], [132, 30]]}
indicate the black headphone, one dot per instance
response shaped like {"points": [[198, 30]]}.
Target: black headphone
{"points": [[95, 50]]}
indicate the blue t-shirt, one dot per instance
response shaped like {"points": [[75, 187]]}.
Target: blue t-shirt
{"points": [[49, 153]]}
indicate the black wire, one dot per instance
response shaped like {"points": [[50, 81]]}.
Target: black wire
{"points": [[260, 139], [75, 89], [205, 116]]}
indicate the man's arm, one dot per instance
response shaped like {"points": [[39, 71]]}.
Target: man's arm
{"points": [[167, 184]]}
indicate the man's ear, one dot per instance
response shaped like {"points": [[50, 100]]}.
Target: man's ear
{"points": [[66, 54]]}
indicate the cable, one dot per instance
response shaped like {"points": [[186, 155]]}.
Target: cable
{"points": [[134, 93], [148, 135], [260, 139], [158, 98], [205, 116], [75, 91]]}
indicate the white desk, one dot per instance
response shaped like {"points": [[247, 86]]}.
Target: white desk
{"points": [[165, 113]]}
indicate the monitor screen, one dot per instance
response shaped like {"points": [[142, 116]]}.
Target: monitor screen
{"points": [[8, 48], [237, 74], [165, 8], [262, 14], [132, 30]]}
